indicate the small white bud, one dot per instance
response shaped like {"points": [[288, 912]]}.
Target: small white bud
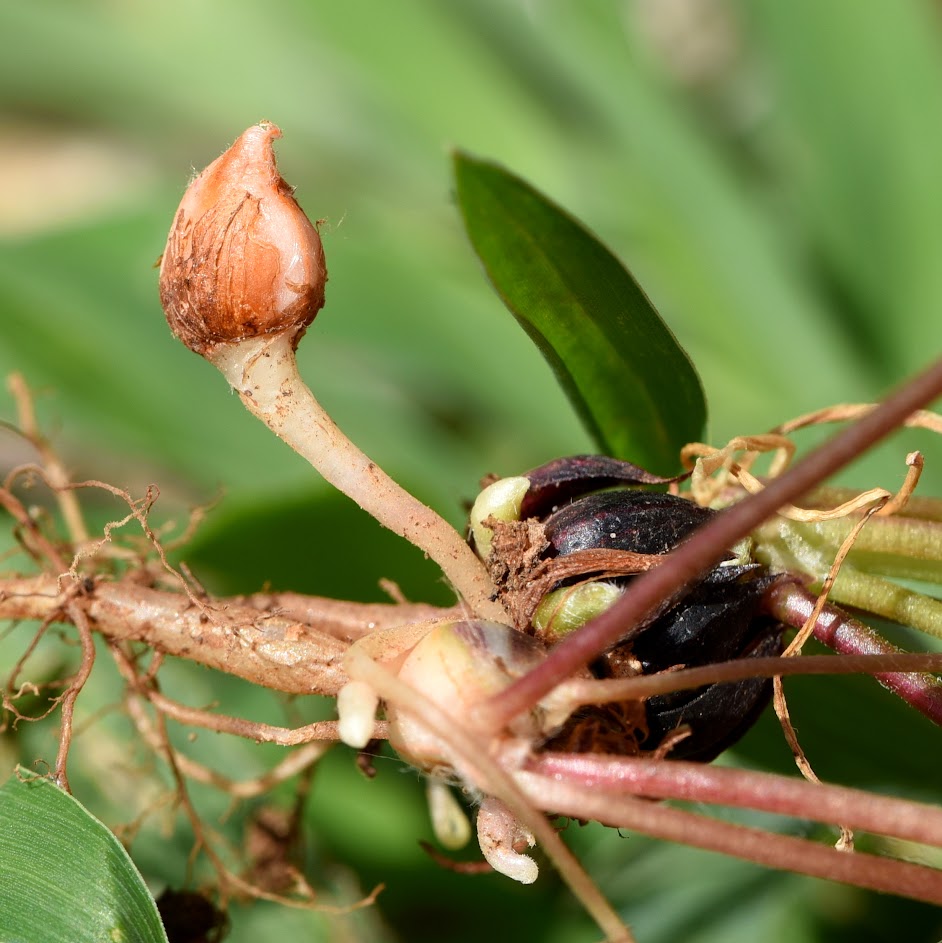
{"points": [[449, 821], [356, 710]]}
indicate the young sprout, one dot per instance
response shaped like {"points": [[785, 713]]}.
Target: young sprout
{"points": [[451, 825], [241, 279], [503, 840]]}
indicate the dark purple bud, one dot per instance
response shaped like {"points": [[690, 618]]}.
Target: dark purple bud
{"points": [[637, 521], [720, 619], [563, 479]]}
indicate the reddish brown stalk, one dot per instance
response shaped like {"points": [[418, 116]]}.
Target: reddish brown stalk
{"points": [[651, 591], [639, 687], [766, 792], [792, 604], [751, 844]]}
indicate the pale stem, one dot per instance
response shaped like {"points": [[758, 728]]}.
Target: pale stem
{"points": [[350, 621], [264, 373], [296, 647], [269, 650]]}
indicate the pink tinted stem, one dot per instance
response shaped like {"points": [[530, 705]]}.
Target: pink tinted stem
{"points": [[792, 604], [767, 792], [751, 844]]}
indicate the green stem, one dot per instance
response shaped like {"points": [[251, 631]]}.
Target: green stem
{"points": [[906, 548], [888, 600], [803, 548]]}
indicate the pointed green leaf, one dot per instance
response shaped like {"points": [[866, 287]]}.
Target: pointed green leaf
{"points": [[632, 384], [64, 877]]}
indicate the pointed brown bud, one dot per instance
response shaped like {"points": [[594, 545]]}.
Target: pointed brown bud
{"points": [[242, 259]]}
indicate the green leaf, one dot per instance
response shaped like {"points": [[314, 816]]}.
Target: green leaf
{"points": [[632, 384], [867, 220], [64, 876]]}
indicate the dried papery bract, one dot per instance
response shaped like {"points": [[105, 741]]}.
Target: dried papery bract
{"points": [[241, 278], [242, 259]]}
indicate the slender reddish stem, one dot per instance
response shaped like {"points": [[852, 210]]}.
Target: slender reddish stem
{"points": [[792, 604], [639, 687], [704, 549], [751, 844], [767, 792]]}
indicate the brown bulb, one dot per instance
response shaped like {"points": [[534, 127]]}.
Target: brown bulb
{"points": [[242, 259]]}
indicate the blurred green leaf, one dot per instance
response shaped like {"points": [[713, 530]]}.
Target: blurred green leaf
{"points": [[868, 188], [771, 172], [630, 381], [64, 876], [311, 543]]}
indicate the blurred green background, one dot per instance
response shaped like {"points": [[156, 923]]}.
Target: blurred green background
{"points": [[768, 170]]}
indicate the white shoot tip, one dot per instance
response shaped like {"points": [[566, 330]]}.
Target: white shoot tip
{"points": [[451, 825], [356, 711], [500, 835]]}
